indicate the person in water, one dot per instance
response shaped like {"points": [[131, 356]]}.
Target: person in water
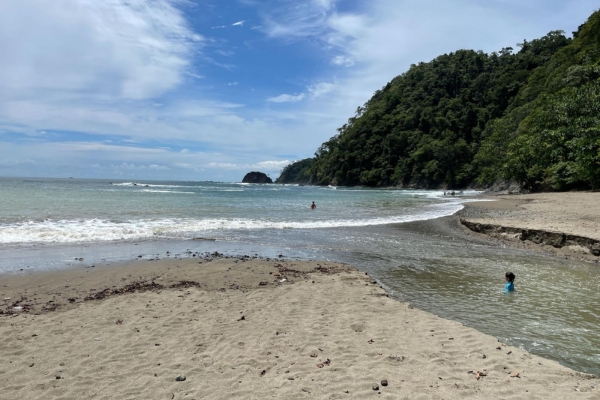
{"points": [[510, 282], [313, 206]]}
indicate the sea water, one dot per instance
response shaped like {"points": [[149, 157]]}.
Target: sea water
{"points": [[392, 234], [78, 211]]}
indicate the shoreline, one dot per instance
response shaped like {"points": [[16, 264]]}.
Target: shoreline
{"points": [[565, 225], [251, 328]]}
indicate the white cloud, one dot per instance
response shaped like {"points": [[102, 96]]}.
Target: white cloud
{"points": [[226, 53], [239, 23], [312, 91], [298, 19], [320, 89], [229, 67], [158, 167], [141, 167], [222, 165], [287, 98], [274, 165], [187, 166], [342, 61], [93, 49]]}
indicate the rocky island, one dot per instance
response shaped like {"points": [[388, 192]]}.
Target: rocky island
{"points": [[256, 177]]}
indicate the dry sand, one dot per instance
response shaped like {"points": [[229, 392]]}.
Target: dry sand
{"points": [[573, 213], [576, 213], [326, 332]]}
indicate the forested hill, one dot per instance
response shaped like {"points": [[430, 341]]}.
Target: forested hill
{"points": [[530, 114]]}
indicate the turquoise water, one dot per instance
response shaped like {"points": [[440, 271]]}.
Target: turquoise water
{"points": [[46, 223]]}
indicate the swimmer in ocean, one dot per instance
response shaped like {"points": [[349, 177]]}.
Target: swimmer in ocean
{"points": [[510, 282], [313, 206]]}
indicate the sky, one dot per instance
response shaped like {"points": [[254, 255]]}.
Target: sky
{"points": [[211, 89]]}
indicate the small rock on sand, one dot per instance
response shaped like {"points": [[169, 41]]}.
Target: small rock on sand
{"points": [[375, 386], [384, 382], [180, 378]]}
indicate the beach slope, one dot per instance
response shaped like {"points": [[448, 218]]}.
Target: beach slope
{"points": [[249, 329]]}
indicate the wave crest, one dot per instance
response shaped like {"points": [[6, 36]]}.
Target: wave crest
{"points": [[98, 230]]}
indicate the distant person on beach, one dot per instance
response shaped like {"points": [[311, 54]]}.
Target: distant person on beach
{"points": [[453, 193], [510, 282], [313, 206]]}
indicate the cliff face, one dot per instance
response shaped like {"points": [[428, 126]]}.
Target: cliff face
{"points": [[256, 177]]}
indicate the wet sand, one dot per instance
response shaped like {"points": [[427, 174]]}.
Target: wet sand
{"points": [[249, 328]]}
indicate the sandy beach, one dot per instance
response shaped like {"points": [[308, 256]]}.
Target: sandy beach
{"points": [[576, 213], [253, 329], [570, 215]]}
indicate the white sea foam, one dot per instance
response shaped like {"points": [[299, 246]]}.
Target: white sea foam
{"points": [[134, 184], [97, 230], [165, 191]]}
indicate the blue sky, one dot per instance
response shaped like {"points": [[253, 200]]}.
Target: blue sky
{"points": [[211, 89]]}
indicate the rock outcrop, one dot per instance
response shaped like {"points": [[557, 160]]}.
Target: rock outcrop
{"points": [[256, 177]]}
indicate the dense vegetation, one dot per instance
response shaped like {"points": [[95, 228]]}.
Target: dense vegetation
{"points": [[531, 115], [297, 172]]}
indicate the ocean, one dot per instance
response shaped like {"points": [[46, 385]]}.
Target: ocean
{"points": [[50, 211], [398, 236]]}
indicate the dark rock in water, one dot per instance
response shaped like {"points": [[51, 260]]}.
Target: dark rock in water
{"points": [[256, 177]]}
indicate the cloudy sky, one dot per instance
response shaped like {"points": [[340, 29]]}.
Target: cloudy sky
{"points": [[210, 89]]}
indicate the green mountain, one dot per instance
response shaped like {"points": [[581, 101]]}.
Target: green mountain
{"points": [[470, 118]]}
